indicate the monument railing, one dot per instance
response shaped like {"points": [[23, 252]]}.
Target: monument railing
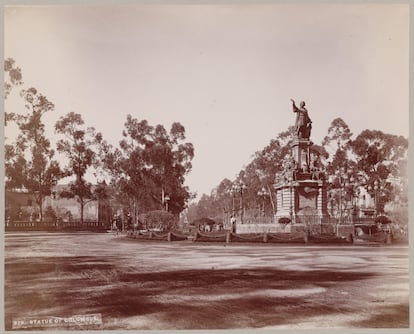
{"points": [[310, 219], [258, 220], [315, 219]]}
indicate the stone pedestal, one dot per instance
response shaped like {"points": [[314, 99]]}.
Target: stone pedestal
{"points": [[302, 201], [301, 196], [300, 151]]}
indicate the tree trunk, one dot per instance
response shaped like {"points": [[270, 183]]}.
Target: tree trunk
{"points": [[82, 204], [39, 202], [135, 214], [41, 208], [271, 198]]}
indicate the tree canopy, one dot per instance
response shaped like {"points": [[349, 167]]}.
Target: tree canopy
{"points": [[150, 165], [78, 146], [370, 160], [29, 162], [147, 170]]}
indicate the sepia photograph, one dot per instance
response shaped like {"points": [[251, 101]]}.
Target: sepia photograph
{"points": [[206, 165]]}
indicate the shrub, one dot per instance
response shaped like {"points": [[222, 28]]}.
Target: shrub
{"points": [[50, 214], [284, 220], [158, 219], [382, 219]]}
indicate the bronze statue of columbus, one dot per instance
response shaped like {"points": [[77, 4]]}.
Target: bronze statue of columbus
{"points": [[303, 124]]}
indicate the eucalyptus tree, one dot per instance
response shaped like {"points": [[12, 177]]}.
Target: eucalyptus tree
{"points": [[380, 156], [13, 76], [79, 146], [29, 161], [336, 142], [150, 166], [338, 133], [224, 198]]}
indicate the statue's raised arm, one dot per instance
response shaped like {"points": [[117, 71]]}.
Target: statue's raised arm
{"points": [[295, 109]]}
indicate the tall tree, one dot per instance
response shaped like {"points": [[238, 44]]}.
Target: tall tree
{"points": [[379, 156], [29, 162], [336, 143], [223, 197], [77, 147], [151, 164], [13, 77], [338, 133]]}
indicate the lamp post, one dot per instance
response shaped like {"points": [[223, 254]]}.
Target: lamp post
{"points": [[243, 187], [239, 187], [234, 191], [331, 200], [290, 181], [354, 189], [262, 193], [376, 188]]}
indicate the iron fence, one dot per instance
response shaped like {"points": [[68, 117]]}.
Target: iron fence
{"points": [[56, 226]]}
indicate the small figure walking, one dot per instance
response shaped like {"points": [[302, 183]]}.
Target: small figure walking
{"points": [[114, 224], [118, 224], [233, 224], [129, 222]]}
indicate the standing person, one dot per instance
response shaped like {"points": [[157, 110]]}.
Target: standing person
{"points": [[233, 224], [115, 224], [129, 222], [118, 224]]}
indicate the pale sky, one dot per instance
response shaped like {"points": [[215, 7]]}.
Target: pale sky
{"points": [[226, 72]]}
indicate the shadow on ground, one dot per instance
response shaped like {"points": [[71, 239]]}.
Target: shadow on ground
{"points": [[187, 299]]}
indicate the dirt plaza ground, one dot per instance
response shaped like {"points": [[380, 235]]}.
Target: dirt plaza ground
{"points": [[185, 285]]}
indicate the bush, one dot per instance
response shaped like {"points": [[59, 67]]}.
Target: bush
{"points": [[284, 220], [158, 219], [382, 219], [50, 214]]}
